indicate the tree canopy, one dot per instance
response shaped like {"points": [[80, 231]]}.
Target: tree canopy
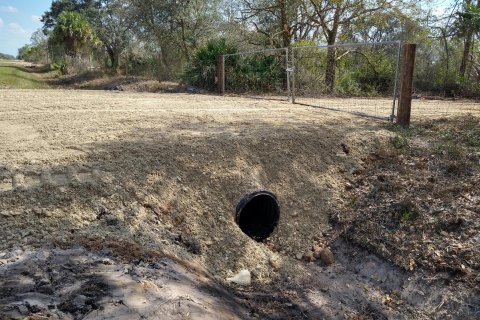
{"points": [[163, 38]]}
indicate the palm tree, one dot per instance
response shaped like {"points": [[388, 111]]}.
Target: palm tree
{"points": [[74, 32]]}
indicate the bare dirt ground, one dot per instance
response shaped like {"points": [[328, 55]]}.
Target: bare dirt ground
{"points": [[138, 177], [382, 107]]}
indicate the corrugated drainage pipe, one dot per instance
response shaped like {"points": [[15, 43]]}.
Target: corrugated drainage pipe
{"points": [[257, 214]]}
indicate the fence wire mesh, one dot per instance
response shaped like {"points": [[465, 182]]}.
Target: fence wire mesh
{"points": [[358, 78], [438, 88], [365, 79], [361, 77], [257, 73]]}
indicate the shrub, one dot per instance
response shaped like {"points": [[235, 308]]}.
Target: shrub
{"points": [[258, 72], [201, 71]]}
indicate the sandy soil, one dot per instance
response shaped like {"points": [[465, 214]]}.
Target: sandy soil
{"points": [[166, 171], [171, 163], [422, 109]]}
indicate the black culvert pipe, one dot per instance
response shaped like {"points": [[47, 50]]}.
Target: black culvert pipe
{"points": [[257, 214]]}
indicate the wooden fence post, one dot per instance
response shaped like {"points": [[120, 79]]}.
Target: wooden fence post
{"points": [[221, 74], [406, 84]]}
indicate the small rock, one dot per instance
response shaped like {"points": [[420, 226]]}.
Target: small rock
{"points": [[5, 213], [316, 251], [274, 262], [243, 278], [326, 256], [299, 256]]}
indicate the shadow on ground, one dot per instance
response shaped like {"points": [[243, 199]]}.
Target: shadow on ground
{"points": [[173, 190]]}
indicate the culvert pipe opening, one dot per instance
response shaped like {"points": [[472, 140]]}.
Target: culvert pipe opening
{"points": [[257, 214]]}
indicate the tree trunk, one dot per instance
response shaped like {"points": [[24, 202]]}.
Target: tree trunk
{"points": [[284, 23], [285, 34], [114, 57], [184, 41], [330, 69], [447, 60], [466, 51], [467, 44], [331, 52]]}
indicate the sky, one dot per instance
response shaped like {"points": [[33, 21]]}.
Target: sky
{"points": [[20, 18]]}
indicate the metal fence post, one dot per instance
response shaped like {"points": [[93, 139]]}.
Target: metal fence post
{"points": [[287, 73], [395, 86], [293, 76], [221, 74]]}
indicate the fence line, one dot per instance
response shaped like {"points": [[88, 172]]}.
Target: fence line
{"points": [[292, 64]]}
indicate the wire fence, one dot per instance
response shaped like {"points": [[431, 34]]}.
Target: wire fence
{"points": [[358, 78], [438, 88], [314, 75], [258, 72], [350, 71]]}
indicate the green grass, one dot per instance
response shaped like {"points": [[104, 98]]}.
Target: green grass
{"points": [[13, 75]]}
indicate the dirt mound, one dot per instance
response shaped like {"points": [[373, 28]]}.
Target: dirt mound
{"points": [[146, 176], [96, 80], [120, 166]]}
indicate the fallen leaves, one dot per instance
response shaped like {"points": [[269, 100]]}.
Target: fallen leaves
{"points": [[413, 209]]}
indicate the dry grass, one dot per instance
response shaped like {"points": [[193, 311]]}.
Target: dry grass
{"points": [[419, 203]]}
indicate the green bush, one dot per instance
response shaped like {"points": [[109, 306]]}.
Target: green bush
{"points": [[201, 71], [61, 66], [255, 73]]}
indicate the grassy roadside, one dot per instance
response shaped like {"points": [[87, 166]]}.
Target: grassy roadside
{"points": [[15, 75]]}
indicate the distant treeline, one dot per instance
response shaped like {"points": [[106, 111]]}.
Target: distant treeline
{"points": [[6, 56], [180, 39]]}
